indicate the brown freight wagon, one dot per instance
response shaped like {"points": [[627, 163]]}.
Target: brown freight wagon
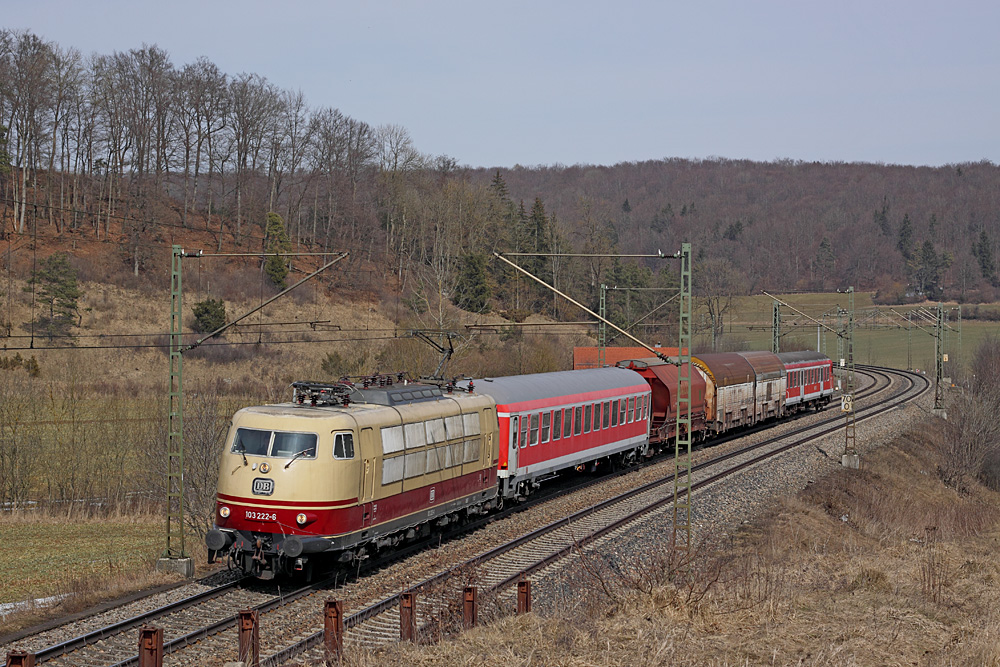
{"points": [[662, 379]]}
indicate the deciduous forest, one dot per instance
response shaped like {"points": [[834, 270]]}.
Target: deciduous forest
{"points": [[136, 150]]}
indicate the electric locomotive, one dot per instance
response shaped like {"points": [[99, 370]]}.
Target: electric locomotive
{"points": [[343, 471]]}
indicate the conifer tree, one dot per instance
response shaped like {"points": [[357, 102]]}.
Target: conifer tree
{"points": [[905, 243], [276, 242], [58, 293]]}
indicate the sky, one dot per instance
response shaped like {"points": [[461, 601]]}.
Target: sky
{"points": [[529, 83]]}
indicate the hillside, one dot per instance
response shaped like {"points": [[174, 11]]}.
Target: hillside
{"points": [[114, 157]]}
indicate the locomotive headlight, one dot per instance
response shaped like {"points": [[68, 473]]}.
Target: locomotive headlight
{"points": [[301, 519], [224, 512]]}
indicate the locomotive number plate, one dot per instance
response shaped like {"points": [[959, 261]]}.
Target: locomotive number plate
{"points": [[261, 516], [262, 486]]}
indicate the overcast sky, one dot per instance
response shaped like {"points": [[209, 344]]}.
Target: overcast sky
{"points": [[586, 82]]}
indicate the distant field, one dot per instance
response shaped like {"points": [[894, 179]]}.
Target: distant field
{"points": [[876, 342]]}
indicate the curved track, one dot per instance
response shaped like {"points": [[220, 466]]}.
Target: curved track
{"points": [[192, 626]]}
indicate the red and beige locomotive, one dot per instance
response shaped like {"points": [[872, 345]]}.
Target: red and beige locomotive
{"points": [[346, 470]]}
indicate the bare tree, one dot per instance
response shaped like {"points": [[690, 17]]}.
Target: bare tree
{"points": [[717, 282], [254, 102], [30, 91]]}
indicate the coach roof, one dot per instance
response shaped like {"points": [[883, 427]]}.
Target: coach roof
{"points": [[522, 388]]}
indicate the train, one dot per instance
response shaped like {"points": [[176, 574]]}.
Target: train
{"points": [[351, 469]]}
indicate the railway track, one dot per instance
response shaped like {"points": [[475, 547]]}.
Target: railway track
{"points": [[193, 626]]}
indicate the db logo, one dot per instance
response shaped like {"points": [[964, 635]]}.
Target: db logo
{"points": [[263, 486]]}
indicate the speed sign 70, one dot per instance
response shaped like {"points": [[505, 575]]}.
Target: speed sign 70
{"points": [[847, 403]]}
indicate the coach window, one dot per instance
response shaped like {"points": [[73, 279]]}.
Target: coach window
{"points": [[578, 420], [597, 416], [568, 422], [622, 407], [614, 412], [606, 420], [534, 429], [343, 446], [524, 431], [630, 410], [588, 415], [557, 424], [546, 420]]}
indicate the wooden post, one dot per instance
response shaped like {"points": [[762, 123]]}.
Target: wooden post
{"points": [[408, 617], [249, 624], [20, 659], [333, 629], [469, 608], [150, 647], [524, 597]]}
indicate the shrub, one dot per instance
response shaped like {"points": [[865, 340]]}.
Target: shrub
{"points": [[209, 315]]}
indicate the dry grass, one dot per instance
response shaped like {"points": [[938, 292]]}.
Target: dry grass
{"points": [[87, 560], [885, 566]]}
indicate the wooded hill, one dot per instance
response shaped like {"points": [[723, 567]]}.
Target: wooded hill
{"points": [[133, 149]]}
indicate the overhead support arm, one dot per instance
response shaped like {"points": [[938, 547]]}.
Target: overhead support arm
{"points": [[799, 312], [579, 305]]}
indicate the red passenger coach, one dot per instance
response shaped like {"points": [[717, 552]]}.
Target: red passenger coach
{"points": [[553, 421], [810, 380]]}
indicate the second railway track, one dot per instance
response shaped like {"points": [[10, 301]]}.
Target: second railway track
{"points": [[291, 626]]}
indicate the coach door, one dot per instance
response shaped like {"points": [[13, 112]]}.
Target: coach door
{"points": [[367, 491], [515, 424], [491, 420]]}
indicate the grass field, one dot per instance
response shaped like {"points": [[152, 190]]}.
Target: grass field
{"points": [[881, 340], [45, 556]]}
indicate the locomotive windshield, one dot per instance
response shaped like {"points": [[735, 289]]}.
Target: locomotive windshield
{"points": [[278, 444]]}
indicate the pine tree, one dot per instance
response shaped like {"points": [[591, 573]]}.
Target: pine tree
{"points": [[825, 257], [983, 251], [276, 242], [56, 289], [905, 242], [881, 219], [472, 291]]}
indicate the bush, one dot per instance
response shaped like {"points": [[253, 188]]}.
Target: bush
{"points": [[209, 315]]}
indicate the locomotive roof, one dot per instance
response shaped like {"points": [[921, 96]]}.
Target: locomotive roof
{"points": [[800, 357], [521, 388]]}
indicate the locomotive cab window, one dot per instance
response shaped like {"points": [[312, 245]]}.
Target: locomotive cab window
{"points": [[343, 446], [278, 444]]}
